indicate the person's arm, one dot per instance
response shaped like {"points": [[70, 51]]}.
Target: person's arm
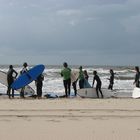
{"points": [[16, 74]]}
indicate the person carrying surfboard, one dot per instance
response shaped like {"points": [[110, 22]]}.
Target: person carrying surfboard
{"points": [[11, 76], [66, 74], [24, 70], [137, 77], [98, 85]]}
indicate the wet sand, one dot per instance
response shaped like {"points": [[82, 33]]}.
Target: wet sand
{"points": [[70, 119]]}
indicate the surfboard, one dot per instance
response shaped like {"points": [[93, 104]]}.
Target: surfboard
{"points": [[74, 75], [91, 93], [26, 78], [136, 93], [3, 80]]}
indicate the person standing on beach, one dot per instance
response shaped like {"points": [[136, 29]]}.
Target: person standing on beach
{"points": [[66, 74], [24, 70], [137, 77], [39, 85], [10, 80], [98, 85], [111, 80], [81, 78]]}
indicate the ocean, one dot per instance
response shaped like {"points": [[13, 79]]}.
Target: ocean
{"points": [[53, 82]]}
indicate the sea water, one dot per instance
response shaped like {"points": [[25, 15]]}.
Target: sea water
{"points": [[53, 82]]}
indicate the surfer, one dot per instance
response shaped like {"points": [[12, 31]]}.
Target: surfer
{"points": [[39, 85], [111, 79], [137, 76], [11, 75], [24, 70], [98, 85], [81, 78], [66, 74]]}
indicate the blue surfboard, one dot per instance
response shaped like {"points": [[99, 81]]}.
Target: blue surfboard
{"points": [[28, 77]]}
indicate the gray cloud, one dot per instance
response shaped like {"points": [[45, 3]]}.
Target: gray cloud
{"points": [[53, 31]]}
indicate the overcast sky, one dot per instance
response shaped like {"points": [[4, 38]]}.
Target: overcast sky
{"points": [[95, 32]]}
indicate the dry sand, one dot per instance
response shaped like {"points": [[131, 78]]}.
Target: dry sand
{"points": [[70, 119]]}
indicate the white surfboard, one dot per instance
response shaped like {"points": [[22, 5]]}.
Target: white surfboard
{"points": [[3, 80], [136, 93], [74, 75], [91, 93]]}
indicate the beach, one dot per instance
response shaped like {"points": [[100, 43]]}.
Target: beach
{"points": [[69, 119]]}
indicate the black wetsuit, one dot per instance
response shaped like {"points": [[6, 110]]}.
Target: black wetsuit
{"points": [[39, 85], [111, 81], [98, 85], [137, 76], [10, 80]]}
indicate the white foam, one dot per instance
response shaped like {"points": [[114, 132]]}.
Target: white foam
{"points": [[53, 82]]}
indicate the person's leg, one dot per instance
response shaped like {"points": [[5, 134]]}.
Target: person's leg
{"points": [[137, 84], [40, 88], [8, 91], [97, 91], [99, 87], [9, 88], [82, 83], [37, 90], [74, 87], [69, 86], [39, 94], [109, 87], [65, 86], [12, 93], [22, 92]]}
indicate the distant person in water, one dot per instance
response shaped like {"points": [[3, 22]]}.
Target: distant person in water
{"points": [[98, 85], [24, 70], [111, 80], [39, 85], [137, 77], [66, 74], [81, 77], [11, 75]]}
